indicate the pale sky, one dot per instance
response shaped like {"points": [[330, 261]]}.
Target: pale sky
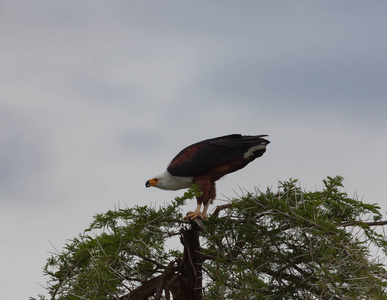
{"points": [[98, 97]]}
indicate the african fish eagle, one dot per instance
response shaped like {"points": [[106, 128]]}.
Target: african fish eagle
{"points": [[207, 161]]}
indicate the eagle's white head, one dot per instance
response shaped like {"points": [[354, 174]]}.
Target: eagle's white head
{"points": [[166, 181]]}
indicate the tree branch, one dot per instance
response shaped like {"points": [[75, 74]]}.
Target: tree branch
{"points": [[152, 286], [220, 208], [357, 223]]}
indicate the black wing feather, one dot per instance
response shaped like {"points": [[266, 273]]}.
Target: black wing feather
{"points": [[200, 158]]}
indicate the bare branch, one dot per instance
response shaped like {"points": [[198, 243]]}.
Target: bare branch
{"points": [[357, 223]]}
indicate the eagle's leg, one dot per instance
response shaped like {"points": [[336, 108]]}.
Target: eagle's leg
{"points": [[209, 200], [204, 212], [208, 190]]}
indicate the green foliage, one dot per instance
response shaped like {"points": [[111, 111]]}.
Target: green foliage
{"points": [[287, 244], [295, 245], [126, 247], [191, 193]]}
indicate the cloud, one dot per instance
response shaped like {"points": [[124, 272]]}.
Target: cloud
{"points": [[99, 97], [23, 156]]}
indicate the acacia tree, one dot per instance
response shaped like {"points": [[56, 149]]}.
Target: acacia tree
{"points": [[285, 244]]}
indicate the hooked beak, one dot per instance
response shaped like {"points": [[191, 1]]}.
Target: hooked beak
{"points": [[151, 182]]}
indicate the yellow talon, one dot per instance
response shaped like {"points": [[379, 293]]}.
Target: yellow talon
{"points": [[193, 215]]}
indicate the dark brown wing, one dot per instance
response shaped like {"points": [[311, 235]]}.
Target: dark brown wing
{"points": [[200, 158]]}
